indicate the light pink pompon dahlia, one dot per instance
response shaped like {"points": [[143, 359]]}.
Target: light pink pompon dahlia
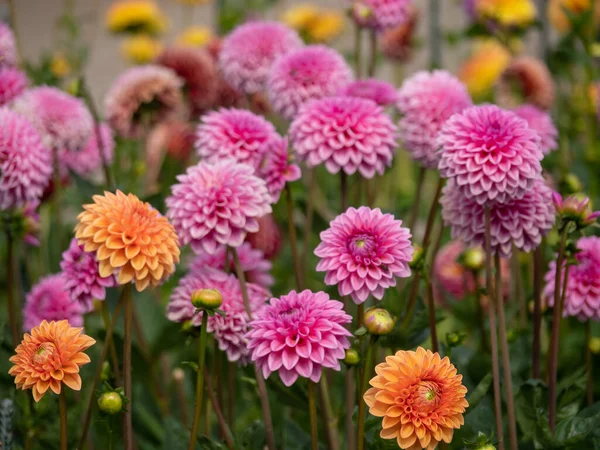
{"points": [[25, 163], [276, 168], [344, 133], [306, 74], [541, 122], [49, 300], [62, 120], [425, 101], [8, 47], [491, 154], [233, 134], [520, 222], [142, 97], [82, 279], [381, 14], [89, 160], [381, 92], [363, 251], [13, 83], [299, 334], [217, 204], [249, 51], [582, 297], [229, 331]]}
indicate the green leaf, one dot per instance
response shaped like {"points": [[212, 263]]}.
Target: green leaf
{"points": [[191, 364], [480, 391]]}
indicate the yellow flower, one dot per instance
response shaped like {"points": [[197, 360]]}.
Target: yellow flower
{"points": [[298, 17], [193, 2], [140, 48], [507, 12], [60, 66], [326, 26], [560, 20], [482, 70], [135, 16], [195, 37]]}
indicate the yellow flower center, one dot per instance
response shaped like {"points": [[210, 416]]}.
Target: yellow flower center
{"points": [[43, 353], [428, 396]]}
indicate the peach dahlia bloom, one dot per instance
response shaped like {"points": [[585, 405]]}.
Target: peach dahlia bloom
{"points": [[49, 357], [420, 397]]}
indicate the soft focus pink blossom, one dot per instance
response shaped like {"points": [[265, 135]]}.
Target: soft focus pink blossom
{"points": [[268, 237], [541, 122], [8, 47], [381, 14], [13, 83], [381, 92], [575, 209], [88, 161], [276, 168], [31, 224], [526, 79]]}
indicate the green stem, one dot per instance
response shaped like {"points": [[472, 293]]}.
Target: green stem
{"points": [[293, 238], [344, 190], [12, 287], [350, 394], [127, 422], [363, 387], [62, 402], [589, 386], [113, 350], [358, 50], [537, 310], [225, 430], [480, 312], [329, 417], [414, 213], [312, 407], [199, 381], [431, 313]]}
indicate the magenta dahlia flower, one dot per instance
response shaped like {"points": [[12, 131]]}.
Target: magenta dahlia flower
{"points": [[363, 251], [13, 83], [541, 122], [217, 204], [229, 331], [298, 334], [381, 14], [25, 163], [249, 51], [89, 160], [491, 154], [305, 74], [276, 168], [381, 92], [49, 300], [8, 47], [426, 101], [346, 133]]}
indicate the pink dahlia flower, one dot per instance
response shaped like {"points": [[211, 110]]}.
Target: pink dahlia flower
{"points": [[426, 101], [381, 92], [381, 14], [541, 122], [82, 278], [89, 160], [141, 97], [234, 134], [305, 74], [268, 237], [491, 154], [346, 133], [582, 297], [8, 47], [25, 163], [249, 51], [574, 209], [276, 168], [229, 331], [13, 83], [363, 251], [520, 222], [217, 204], [49, 300], [31, 224], [526, 79], [298, 334]]}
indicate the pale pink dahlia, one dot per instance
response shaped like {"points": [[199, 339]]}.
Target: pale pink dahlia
{"points": [[8, 47], [381, 92], [363, 251], [520, 222], [81, 277], [89, 160], [13, 83], [541, 122], [298, 334], [582, 297], [49, 300], [217, 204], [305, 74], [381, 14], [276, 168], [268, 237], [249, 51], [425, 101], [491, 154], [25, 163], [229, 331], [346, 133], [234, 134]]}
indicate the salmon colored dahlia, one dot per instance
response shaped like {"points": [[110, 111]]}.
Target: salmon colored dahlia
{"points": [[130, 238], [49, 357], [420, 397]]}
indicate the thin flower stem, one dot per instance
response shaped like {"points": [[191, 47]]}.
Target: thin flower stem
{"points": [[414, 213], [127, 422], [310, 212], [56, 198], [589, 385], [12, 289], [329, 417], [231, 369], [113, 350], [372, 53], [62, 402], [358, 50], [225, 430], [363, 387], [517, 283], [242, 280], [537, 311], [293, 240], [312, 407], [431, 313], [350, 397], [344, 190], [182, 400], [480, 313], [199, 381]]}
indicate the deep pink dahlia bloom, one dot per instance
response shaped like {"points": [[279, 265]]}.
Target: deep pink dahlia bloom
{"points": [[89, 160], [520, 222], [426, 101], [276, 168], [450, 273], [234, 134], [229, 331], [305, 74], [346, 133], [541, 122], [381, 14], [8, 47], [25, 163], [298, 334], [268, 237], [363, 251], [49, 300], [249, 51], [381, 92], [217, 204], [13, 83], [491, 154]]}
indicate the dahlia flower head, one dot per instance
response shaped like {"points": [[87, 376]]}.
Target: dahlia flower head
{"points": [[381, 14], [49, 300], [89, 160], [141, 97], [521, 222], [229, 331], [526, 79], [397, 43], [582, 295], [541, 122], [426, 101], [249, 51], [8, 47], [363, 251], [344, 133], [381, 92], [81, 277], [305, 74], [13, 83], [421, 398], [268, 237], [507, 13], [491, 154], [217, 204], [25, 162], [276, 168], [575, 209], [481, 71], [299, 334]]}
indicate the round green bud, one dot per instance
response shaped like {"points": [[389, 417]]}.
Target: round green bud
{"points": [[474, 258], [207, 299], [594, 345], [417, 258], [352, 357], [379, 321], [110, 403], [486, 447]]}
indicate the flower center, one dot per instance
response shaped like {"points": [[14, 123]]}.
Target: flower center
{"points": [[427, 396], [43, 353], [362, 246]]}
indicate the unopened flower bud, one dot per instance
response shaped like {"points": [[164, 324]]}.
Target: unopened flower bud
{"points": [[474, 258], [110, 403], [352, 357], [207, 298], [417, 258], [379, 321], [594, 345]]}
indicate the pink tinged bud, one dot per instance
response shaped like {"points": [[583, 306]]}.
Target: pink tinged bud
{"points": [[207, 298], [379, 321]]}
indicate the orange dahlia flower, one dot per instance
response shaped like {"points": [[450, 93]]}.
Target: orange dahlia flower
{"points": [[420, 397], [130, 239], [49, 357]]}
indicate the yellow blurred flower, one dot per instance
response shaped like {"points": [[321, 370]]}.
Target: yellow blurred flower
{"points": [[60, 66], [326, 26], [594, 345], [560, 20], [195, 37], [193, 2], [482, 70], [298, 17], [507, 12], [140, 48], [135, 16]]}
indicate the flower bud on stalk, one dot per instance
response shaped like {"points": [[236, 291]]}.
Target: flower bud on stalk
{"points": [[110, 403], [210, 299], [379, 321], [352, 357]]}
